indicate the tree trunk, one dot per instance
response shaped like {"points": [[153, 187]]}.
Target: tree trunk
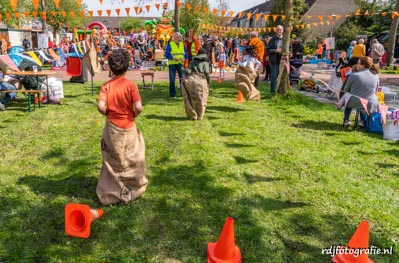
{"points": [[283, 83], [177, 18], [392, 36]]}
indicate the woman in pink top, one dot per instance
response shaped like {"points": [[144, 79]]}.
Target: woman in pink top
{"points": [[122, 176]]}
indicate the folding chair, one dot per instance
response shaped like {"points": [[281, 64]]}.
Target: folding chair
{"points": [[333, 86], [148, 71]]}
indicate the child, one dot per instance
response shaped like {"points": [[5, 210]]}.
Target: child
{"points": [[122, 176], [249, 60], [222, 63]]}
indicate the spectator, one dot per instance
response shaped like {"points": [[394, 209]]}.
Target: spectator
{"points": [[122, 177], [377, 51], [26, 43], [361, 84], [192, 45], [297, 48], [350, 50], [359, 50], [176, 53], [5, 86], [275, 50], [209, 47]]}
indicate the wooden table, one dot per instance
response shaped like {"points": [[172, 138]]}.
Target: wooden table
{"points": [[43, 73]]}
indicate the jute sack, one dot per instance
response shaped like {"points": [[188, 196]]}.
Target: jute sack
{"points": [[195, 93], [244, 82], [122, 176]]}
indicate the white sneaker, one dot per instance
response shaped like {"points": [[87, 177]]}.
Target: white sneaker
{"points": [[2, 107]]}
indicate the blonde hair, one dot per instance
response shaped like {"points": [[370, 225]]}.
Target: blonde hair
{"points": [[367, 62]]}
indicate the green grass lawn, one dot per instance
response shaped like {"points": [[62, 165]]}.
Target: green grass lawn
{"points": [[294, 180]]}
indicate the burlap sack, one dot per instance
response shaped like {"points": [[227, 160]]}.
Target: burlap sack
{"points": [[244, 82], [122, 176], [195, 93], [91, 60]]}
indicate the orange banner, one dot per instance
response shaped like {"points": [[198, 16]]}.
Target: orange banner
{"points": [[53, 13], [79, 2], [101, 2], [72, 13], [57, 3], [147, 7], [214, 11], [127, 9], [178, 4], [35, 4], [13, 4], [206, 9], [118, 11], [99, 12], [136, 9], [82, 13], [34, 14], [188, 6], [108, 12], [17, 15], [157, 6], [90, 13], [26, 14]]}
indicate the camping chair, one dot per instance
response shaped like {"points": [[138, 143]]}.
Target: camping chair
{"points": [[148, 71], [334, 86]]}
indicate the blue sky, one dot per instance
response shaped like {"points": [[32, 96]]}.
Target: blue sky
{"points": [[94, 5]]}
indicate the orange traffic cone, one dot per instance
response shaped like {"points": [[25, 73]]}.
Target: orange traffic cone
{"points": [[359, 240], [219, 80], [240, 97], [225, 250], [78, 219]]}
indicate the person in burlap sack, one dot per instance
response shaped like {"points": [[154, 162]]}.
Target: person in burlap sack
{"points": [[195, 86], [122, 176], [246, 74]]}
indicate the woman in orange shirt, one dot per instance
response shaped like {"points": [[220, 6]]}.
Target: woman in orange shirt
{"points": [[122, 176], [319, 50]]}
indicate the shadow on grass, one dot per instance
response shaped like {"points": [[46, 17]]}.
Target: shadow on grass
{"points": [[394, 152], [318, 125], [166, 118], [228, 134], [238, 145], [223, 108], [241, 160], [386, 165], [252, 179]]}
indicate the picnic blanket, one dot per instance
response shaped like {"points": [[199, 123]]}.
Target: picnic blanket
{"points": [[195, 93], [244, 82], [122, 176]]}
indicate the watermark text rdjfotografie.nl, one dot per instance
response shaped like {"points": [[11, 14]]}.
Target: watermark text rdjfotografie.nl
{"points": [[340, 250]]}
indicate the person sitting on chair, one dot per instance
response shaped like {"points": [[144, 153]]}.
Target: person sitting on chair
{"points": [[5, 86], [361, 86]]}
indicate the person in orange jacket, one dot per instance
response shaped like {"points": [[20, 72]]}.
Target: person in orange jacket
{"points": [[192, 45]]}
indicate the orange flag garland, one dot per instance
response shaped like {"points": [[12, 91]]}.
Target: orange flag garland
{"points": [[57, 3], [35, 4], [13, 4]]}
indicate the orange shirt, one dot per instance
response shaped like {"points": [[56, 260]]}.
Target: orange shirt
{"points": [[120, 94], [259, 47]]}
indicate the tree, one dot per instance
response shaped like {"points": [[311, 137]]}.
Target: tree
{"points": [[130, 23], [190, 19], [392, 35], [283, 83]]}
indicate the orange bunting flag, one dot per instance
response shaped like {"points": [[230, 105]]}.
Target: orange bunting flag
{"points": [[35, 4], [147, 7], [108, 12], [197, 8], [17, 15], [127, 9], [274, 18], [266, 17], [165, 5], [53, 13], [394, 15], [118, 11], [384, 13], [157, 6], [101, 2], [178, 4], [8, 15], [82, 13], [308, 25], [1, 17], [206, 9], [214, 11], [57, 3], [223, 12], [136, 9], [26, 14], [366, 13], [90, 13], [140, 10], [72, 13], [239, 15], [231, 13], [34, 14], [309, 17], [320, 18], [257, 17], [14, 4], [99, 12], [79, 2], [188, 6], [357, 12], [249, 15]]}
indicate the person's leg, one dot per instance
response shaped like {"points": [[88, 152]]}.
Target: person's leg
{"points": [[180, 68], [172, 79], [347, 114], [274, 68], [9, 96]]}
